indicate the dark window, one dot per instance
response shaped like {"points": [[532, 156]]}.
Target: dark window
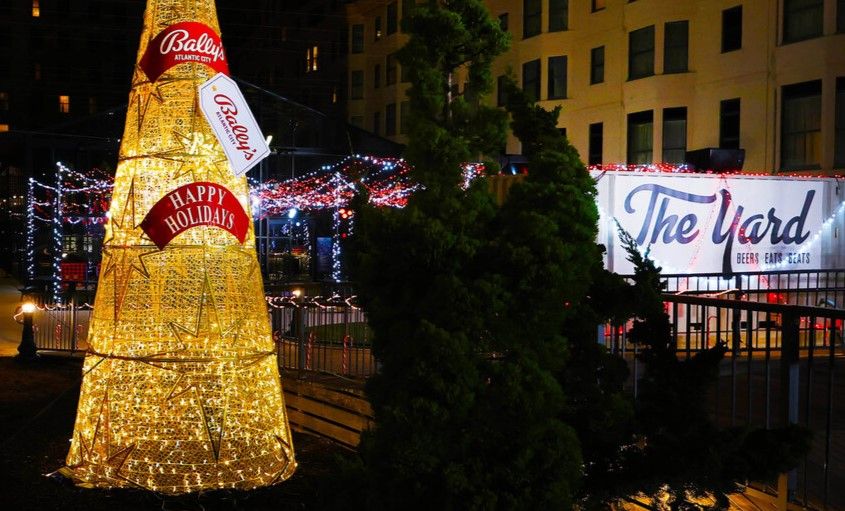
{"points": [[641, 53], [732, 29], [404, 111], [557, 78], [801, 126], [357, 38], [377, 28], [390, 119], [403, 74], [599, 5], [408, 7], [840, 16], [390, 69], [4, 101], [674, 135], [802, 19], [501, 96], [596, 144], [597, 65], [357, 120], [531, 79], [377, 76], [839, 137], [676, 47], [356, 85], [531, 15], [503, 22], [391, 18], [729, 124], [562, 132], [640, 134], [377, 123], [558, 15]]}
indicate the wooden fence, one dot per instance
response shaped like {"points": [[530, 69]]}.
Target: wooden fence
{"points": [[329, 407]]}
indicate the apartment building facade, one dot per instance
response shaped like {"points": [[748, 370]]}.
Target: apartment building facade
{"points": [[646, 81]]}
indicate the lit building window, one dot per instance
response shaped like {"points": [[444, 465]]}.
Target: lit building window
{"points": [[64, 104], [377, 28], [36, 8], [4, 128], [311, 56]]}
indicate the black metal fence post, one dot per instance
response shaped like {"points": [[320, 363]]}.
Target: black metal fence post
{"points": [[299, 321], [790, 368]]}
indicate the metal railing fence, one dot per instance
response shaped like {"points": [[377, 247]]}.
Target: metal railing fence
{"points": [[780, 368], [809, 287], [329, 336], [61, 327]]}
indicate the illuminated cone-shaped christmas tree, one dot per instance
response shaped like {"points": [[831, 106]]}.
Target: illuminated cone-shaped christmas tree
{"points": [[181, 389]]}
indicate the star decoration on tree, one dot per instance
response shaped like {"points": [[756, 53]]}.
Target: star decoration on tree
{"points": [[142, 100], [123, 252], [198, 154]]}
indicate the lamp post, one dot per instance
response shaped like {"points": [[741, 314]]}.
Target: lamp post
{"points": [[27, 350]]}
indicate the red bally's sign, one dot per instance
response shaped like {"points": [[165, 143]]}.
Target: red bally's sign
{"points": [[184, 42], [192, 205]]}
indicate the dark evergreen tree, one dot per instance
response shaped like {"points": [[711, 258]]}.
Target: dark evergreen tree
{"points": [[681, 452], [550, 224], [467, 301], [419, 279]]}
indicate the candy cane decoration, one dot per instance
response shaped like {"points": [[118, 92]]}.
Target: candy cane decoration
{"points": [[309, 348], [344, 361]]}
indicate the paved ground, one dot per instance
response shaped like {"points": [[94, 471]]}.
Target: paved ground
{"points": [[10, 330]]}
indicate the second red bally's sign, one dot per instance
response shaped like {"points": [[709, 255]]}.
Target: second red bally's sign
{"points": [[192, 205]]}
